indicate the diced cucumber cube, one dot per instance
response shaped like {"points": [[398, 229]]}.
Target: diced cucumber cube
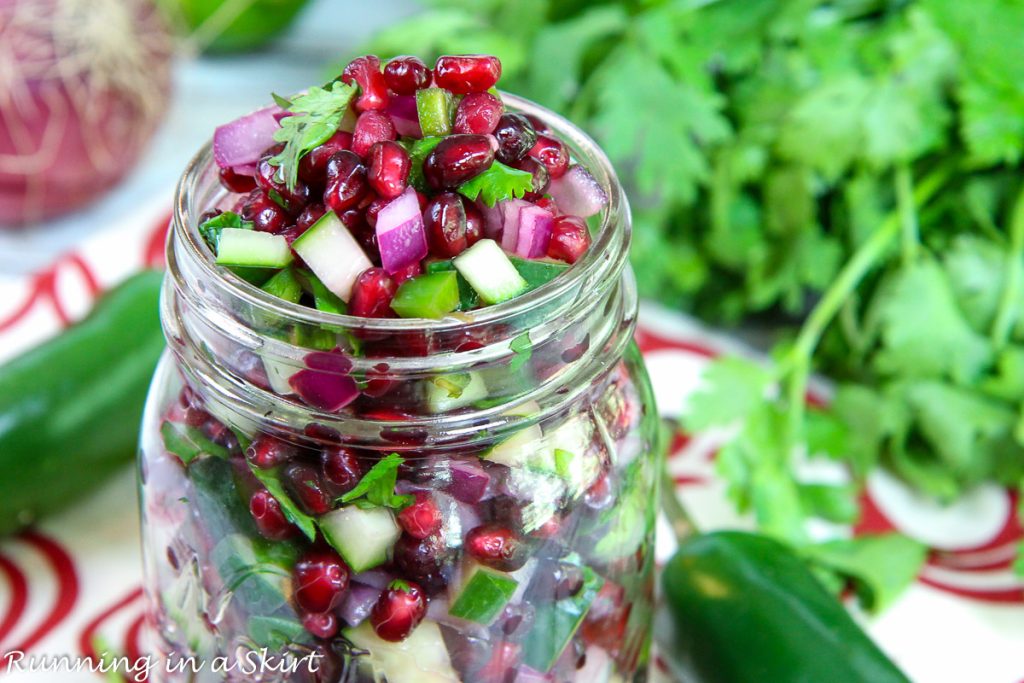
{"points": [[333, 254], [420, 658], [434, 107], [488, 270], [427, 296], [483, 595], [555, 623], [451, 392], [537, 273], [238, 247], [363, 538], [573, 457]]}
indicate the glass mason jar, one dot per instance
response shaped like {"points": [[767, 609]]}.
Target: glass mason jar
{"points": [[526, 433]]}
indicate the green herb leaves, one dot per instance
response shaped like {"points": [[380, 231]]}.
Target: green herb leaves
{"points": [[315, 117], [212, 228], [499, 182], [377, 487]]}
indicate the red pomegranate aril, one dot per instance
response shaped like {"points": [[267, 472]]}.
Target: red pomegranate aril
{"points": [[478, 113], [304, 483], [405, 75], [373, 210], [552, 153], [445, 221], [324, 626], [372, 294], [570, 239], [264, 213], [458, 158], [422, 518], [407, 273], [236, 182], [320, 580], [372, 127], [346, 181], [422, 559], [399, 610], [516, 137], [389, 169], [548, 204], [341, 469], [310, 215], [600, 495], [464, 74], [373, 89], [496, 546], [378, 381], [267, 452], [269, 518], [474, 222], [291, 200], [313, 166], [541, 177]]}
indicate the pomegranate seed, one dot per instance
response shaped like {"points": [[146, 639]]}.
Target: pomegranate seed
{"points": [[365, 72], [516, 617], [457, 159], [406, 75], [303, 482], [389, 169], [372, 293], [310, 215], [541, 177], [548, 529], [570, 239], [516, 137], [474, 222], [266, 215], [600, 494], [538, 124], [341, 469], [378, 381], [398, 611], [548, 205], [566, 580], [346, 181], [422, 559], [323, 625], [445, 221], [552, 153], [422, 518], [313, 166], [496, 546], [236, 182], [373, 209], [267, 452], [291, 200], [320, 580], [270, 520], [372, 127], [478, 113], [463, 74], [407, 273]]}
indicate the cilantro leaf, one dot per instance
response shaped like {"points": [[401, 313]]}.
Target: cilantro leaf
{"points": [[315, 117], [212, 228], [272, 480], [498, 183], [188, 443], [731, 388], [418, 152], [377, 487], [523, 348]]}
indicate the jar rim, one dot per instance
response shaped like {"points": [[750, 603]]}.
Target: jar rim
{"points": [[606, 255]]}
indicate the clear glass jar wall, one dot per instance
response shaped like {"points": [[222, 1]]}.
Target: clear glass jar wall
{"points": [[528, 426]]}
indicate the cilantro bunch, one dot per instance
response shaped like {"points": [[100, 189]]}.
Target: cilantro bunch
{"points": [[844, 174]]}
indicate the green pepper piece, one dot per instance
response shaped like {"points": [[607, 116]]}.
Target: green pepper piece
{"points": [[746, 608], [434, 108], [284, 285], [427, 296], [468, 298]]}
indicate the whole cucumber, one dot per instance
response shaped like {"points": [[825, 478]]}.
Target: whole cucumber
{"points": [[70, 409]]}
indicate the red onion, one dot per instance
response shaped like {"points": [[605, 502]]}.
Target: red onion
{"points": [[403, 113], [534, 232], [510, 209], [375, 578], [242, 142], [577, 193], [82, 86], [469, 481], [492, 219], [358, 603], [401, 236], [325, 384]]}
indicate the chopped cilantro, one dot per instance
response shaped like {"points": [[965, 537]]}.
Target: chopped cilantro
{"points": [[272, 480], [497, 183], [211, 229], [523, 348], [377, 487]]}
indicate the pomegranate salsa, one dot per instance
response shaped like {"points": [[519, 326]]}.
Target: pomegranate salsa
{"points": [[516, 556], [402, 191]]}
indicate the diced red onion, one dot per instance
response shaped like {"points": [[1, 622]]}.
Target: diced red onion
{"points": [[534, 232], [577, 193], [358, 603], [510, 209], [375, 578], [243, 141], [401, 237], [492, 219], [403, 113], [325, 384], [469, 481], [525, 674]]}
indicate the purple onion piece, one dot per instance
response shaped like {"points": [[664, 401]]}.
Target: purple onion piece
{"points": [[401, 236], [510, 211], [375, 578], [243, 141], [403, 113], [469, 481], [492, 219], [358, 603], [534, 232], [325, 384], [578, 193]]}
